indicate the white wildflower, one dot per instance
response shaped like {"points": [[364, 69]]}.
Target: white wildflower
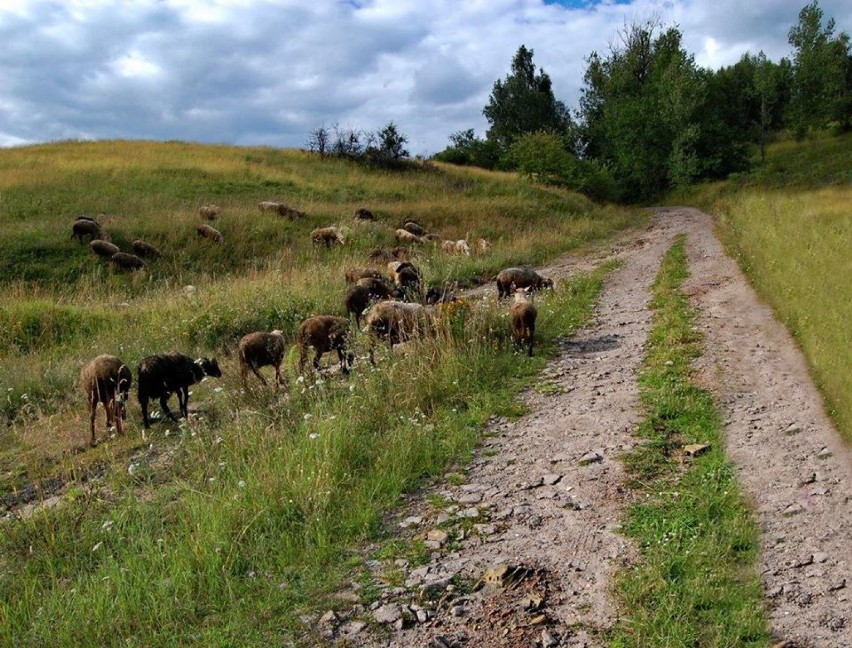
{"points": [[97, 546], [313, 435]]}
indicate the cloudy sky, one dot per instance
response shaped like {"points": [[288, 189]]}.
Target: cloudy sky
{"points": [[245, 72]]}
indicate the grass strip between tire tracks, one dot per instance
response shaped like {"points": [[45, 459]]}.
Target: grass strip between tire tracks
{"points": [[695, 583]]}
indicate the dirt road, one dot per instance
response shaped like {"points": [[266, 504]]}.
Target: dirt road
{"points": [[545, 493]]}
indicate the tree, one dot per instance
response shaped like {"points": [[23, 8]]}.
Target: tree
{"points": [[319, 141], [820, 64], [466, 148], [523, 103]]}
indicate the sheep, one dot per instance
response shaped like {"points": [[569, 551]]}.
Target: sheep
{"points": [[376, 286], [395, 322], [103, 249], [394, 254], [327, 236], [414, 228], [482, 246], [261, 349], [356, 300], [406, 277], [404, 236], [289, 212], [210, 212], [324, 333], [364, 214], [85, 226], [268, 205], [525, 277], [448, 246], [437, 295], [162, 375], [523, 313], [208, 232], [124, 261], [143, 249], [106, 379], [462, 247], [431, 237], [355, 273]]}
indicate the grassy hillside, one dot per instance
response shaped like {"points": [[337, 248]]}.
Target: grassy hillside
{"points": [[221, 530], [789, 223]]}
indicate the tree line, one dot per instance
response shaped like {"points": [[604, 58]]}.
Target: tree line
{"points": [[650, 119]]}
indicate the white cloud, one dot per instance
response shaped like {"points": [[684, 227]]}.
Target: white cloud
{"points": [[267, 72]]}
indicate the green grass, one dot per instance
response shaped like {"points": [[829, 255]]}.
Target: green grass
{"points": [[224, 529], [695, 583], [789, 225]]}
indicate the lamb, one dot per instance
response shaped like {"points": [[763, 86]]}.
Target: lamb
{"points": [[462, 247], [124, 261], [355, 273], [414, 228], [106, 379], [261, 349], [523, 313], [86, 226], [395, 322], [328, 236], [404, 236], [103, 249], [162, 375], [364, 214], [210, 212], [525, 277], [208, 232], [143, 249], [482, 246], [324, 333]]}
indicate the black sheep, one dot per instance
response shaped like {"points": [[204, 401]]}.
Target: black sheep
{"points": [[162, 375]]}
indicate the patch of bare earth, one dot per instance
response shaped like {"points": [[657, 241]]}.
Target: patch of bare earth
{"points": [[789, 458]]}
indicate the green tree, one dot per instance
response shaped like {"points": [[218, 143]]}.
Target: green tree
{"points": [[523, 103], [820, 63]]}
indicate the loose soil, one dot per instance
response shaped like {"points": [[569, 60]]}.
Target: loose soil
{"points": [[521, 548]]}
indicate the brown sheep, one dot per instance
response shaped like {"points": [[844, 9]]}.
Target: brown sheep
{"points": [[414, 228], [355, 273], [268, 205], [431, 237], [523, 313], [394, 254], [512, 278], [143, 249], [356, 300], [85, 226], [103, 248], [327, 236], [364, 214], [395, 322], [106, 379], [376, 286], [289, 212], [211, 233], [261, 349], [124, 261], [162, 375], [406, 237], [210, 212], [406, 276], [324, 333]]}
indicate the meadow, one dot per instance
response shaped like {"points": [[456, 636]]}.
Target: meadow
{"points": [[226, 527], [789, 224]]}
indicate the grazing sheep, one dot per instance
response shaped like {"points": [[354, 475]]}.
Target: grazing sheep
{"points": [[376, 286], [327, 236], [162, 375], [324, 333], [356, 300], [143, 249], [526, 277], [437, 295], [364, 214], [106, 379], [407, 278], [462, 247], [482, 246], [395, 322], [414, 228], [268, 205], [355, 273], [103, 249], [261, 349], [523, 313], [431, 237], [85, 226], [210, 212], [448, 246], [289, 212], [211, 233], [394, 254], [124, 261], [404, 236]]}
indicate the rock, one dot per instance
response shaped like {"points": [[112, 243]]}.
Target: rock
{"points": [[485, 529], [470, 513], [458, 610], [469, 498], [775, 592], [837, 585], [825, 453], [443, 518], [532, 602], [590, 458], [695, 449], [432, 545], [437, 535], [551, 479], [419, 572], [804, 562], [435, 587], [414, 520], [819, 557], [808, 479], [388, 613], [329, 618], [441, 641], [353, 628], [548, 640], [793, 509], [792, 429]]}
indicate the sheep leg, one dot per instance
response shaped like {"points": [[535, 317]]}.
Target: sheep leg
{"points": [[317, 360], [183, 401], [341, 359], [93, 411], [164, 405], [278, 380], [303, 358], [143, 402]]}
